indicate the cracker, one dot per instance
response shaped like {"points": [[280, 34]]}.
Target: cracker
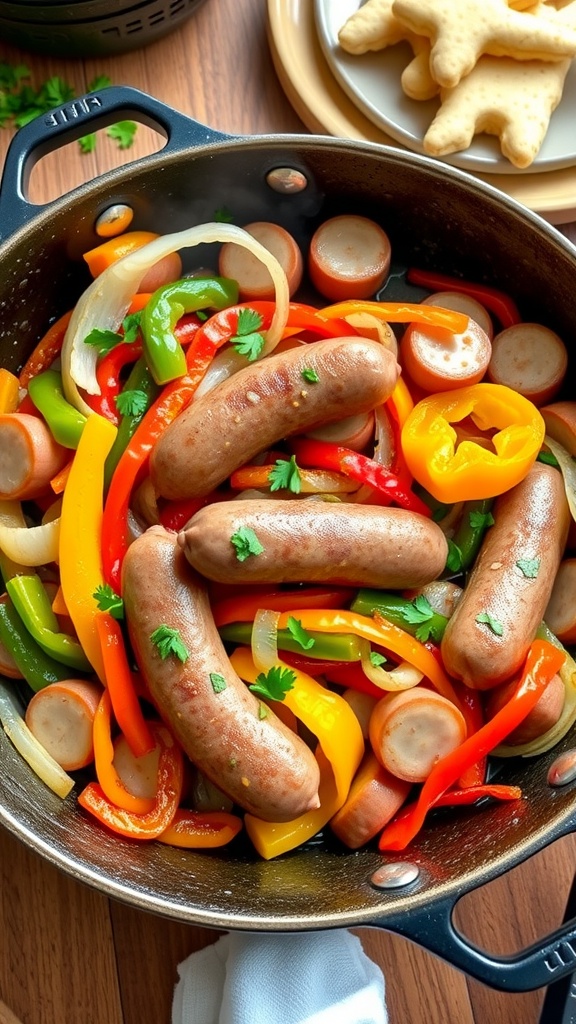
{"points": [[461, 31]]}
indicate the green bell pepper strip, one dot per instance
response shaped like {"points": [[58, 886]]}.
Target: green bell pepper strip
{"points": [[333, 647], [468, 537], [33, 606], [37, 668], [161, 348], [401, 612], [139, 379], [65, 422]]}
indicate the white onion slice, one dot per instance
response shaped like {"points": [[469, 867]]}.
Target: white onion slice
{"points": [[40, 761], [568, 470], [105, 302], [265, 639], [34, 545], [403, 677], [223, 366]]}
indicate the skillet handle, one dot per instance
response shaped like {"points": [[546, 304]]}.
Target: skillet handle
{"points": [[86, 114]]}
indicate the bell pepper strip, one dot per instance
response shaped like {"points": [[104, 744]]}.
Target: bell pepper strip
{"points": [[112, 786], [162, 350], [36, 667], [244, 608], [65, 422], [195, 830], [493, 299], [81, 535], [108, 375], [542, 663], [472, 700], [120, 686], [154, 822], [338, 731], [139, 379], [401, 313], [454, 472], [471, 794], [58, 482], [336, 647], [310, 481], [400, 402], [46, 351], [32, 603], [418, 621], [175, 514], [348, 674], [9, 391], [109, 252], [379, 631], [474, 521], [323, 455]]}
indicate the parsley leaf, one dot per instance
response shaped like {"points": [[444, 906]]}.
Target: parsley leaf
{"points": [[262, 711], [109, 601], [285, 475], [102, 340], [420, 612], [246, 543], [247, 341], [547, 458], [454, 559], [131, 327], [376, 659], [168, 641], [223, 215], [88, 143], [493, 624], [310, 375], [480, 520], [218, 682], [275, 683], [131, 403], [300, 635], [123, 133], [100, 82], [530, 567]]}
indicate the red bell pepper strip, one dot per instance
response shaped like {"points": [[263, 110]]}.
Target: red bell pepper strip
{"points": [[46, 351], [207, 830], [471, 794], [348, 674], [323, 455], [125, 704], [492, 298], [475, 775], [108, 372], [175, 514], [542, 663], [168, 794], [244, 608]]}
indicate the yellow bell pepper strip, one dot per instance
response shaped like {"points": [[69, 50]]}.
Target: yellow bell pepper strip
{"points": [[33, 605], [168, 794], [379, 631], [120, 686], [80, 535], [9, 391], [194, 830], [400, 402], [454, 472], [110, 782], [335, 725], [400, 313], [542, 663]]}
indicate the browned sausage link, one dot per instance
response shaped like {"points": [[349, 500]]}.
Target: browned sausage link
{"points": [[267, 401], [495, 621], [257, 761], [313, 541]]}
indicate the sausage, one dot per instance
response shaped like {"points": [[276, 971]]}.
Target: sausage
{"points": [[439, 361], [530, 530], [530, 359], [29, 456], [349, 257], [252, 277], [314, 542], [259, 763], [61, 717], [411, 730], [540, 719], [265, 402], [375, 796]]}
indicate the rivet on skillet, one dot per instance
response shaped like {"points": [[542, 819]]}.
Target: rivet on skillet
{"points": [[114, 220], [287, 180], [563, 769], [394, 876]]}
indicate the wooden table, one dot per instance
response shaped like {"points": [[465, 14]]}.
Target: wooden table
{"points": [[68, 954]]}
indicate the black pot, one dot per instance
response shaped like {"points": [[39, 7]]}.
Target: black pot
{"points": [[437, 217]]}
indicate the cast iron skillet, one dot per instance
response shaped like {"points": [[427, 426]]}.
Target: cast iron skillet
{"points": [[437, 216]]}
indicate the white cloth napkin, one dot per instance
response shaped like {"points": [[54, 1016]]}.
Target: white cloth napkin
{"points": [[294, 978]]}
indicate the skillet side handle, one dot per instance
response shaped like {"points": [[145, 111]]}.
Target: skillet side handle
{"points": [[545, 962], [79, 117]]}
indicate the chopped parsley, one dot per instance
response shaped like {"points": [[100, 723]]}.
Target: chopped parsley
{"points": [[275, 683], [262, 711], [109, 601], [454, 559], [376, 659], [247, 341], [300, 635], [420, 612], [310, 375], [246, 543], [223, 216], [123, 133], [131, 403], [529, 567], [547, 458], [218, 682], [103, 340], [486, 619], [480, 520], [285, 475], [131, 327], [169, 642]]}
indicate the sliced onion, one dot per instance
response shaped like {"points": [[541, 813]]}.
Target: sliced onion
{"points": [[105, 302], [265, 639], [40, 761], [223, 366], [403, 677], [27, 545], [568, 470]]}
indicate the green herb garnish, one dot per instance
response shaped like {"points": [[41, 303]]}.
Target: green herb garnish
{"points": [[169, 641], [131, 403], [275, 683], [493, 624], [310, 375], [218, 682], [480, 520], [123, 133], [246, 543], [454, 559], [247, 341], [529, 567], [109, 601], [300, 635], [103, 340], [285, 475], [376, 659]]}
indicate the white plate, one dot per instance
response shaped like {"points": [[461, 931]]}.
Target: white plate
{"points": [[372, 81]]}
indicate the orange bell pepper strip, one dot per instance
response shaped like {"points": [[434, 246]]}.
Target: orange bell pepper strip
{"points": [[400, 312], [9, 388], [107, 253], [194, 830], [80, 535], [112, 786], [337, 729], [46, 351], [454, 472], [125, 704], [168, 795], [542, 663], [244, 608]]}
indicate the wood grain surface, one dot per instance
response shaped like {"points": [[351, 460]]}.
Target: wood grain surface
{"points": [[69, 955]]}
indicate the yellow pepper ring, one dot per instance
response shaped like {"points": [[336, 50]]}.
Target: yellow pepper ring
{"points": [[453, 472]]}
